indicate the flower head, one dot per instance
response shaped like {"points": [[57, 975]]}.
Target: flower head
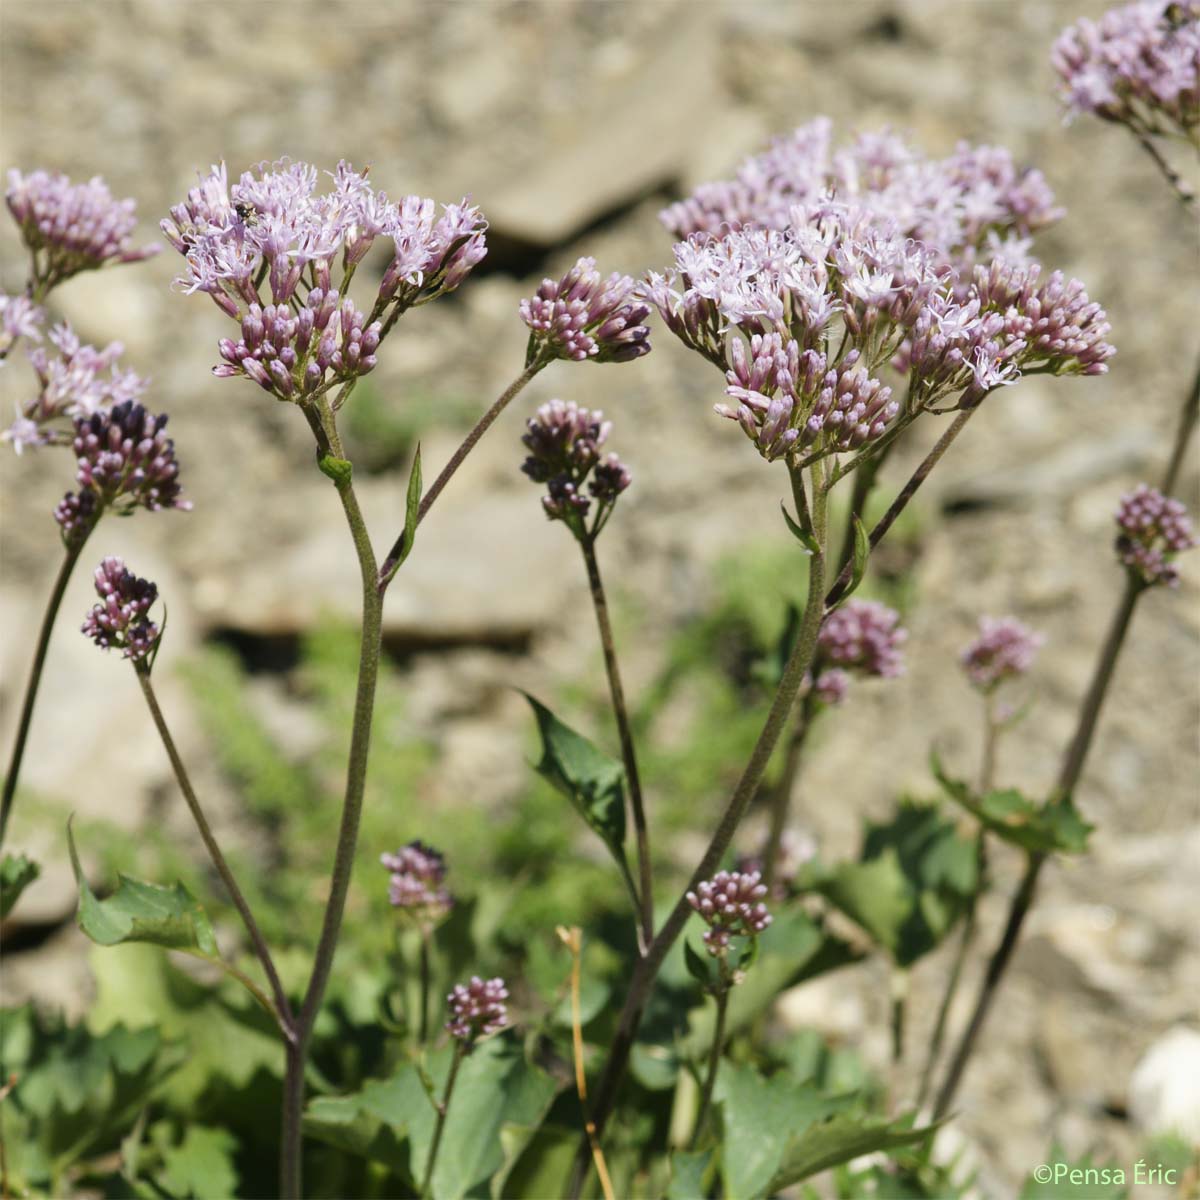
{"points": [[730, 903], [585, 316], [863, 637], [71, 227], [1153, 529], [564, 442], [477, 1009], [416, 887], [1004, 649], [19, 318], [1139, 65], [120, 621], [265, 249]]}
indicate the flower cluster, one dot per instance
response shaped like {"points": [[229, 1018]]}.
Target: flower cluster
{"points": [[765, 305], [77, 382], [417, 884], [564, 443], [477, 1009], [863, 637], [19, 318], [264, 248], [1004, 649], [125, 460], [966, 207], [1138, 65], [1153, 530], [71, 227], [585, 316], [120, 621], [731, 905]]}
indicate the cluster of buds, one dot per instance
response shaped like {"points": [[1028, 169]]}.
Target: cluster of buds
{"points": [[584, 316], [266, 248], [564, 442], [966, 208], [125, 461], [77, 382], [1153, 529], [120, 621], [71, 227], [863, 637], [1139, 65], [764, 305], [477, 1009], [417, 884], [1004, 649], [730, 903]]}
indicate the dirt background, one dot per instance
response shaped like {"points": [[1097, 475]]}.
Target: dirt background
{"points": [[570, 124]]}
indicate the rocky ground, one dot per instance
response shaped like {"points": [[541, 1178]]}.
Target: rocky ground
{"points": [[570, 124]]}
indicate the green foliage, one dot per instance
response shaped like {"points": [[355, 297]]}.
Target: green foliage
{"points": [[1036, 828], [914, 879], [16, 873]]}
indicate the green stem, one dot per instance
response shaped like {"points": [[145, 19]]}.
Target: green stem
{"points": [[442, 1109], [423, 1027], [628, 754], [35, 677], [714, 1062], [646, 970], [343, 864], [391, 564], [283, 1010], [1183, 193], [1183, 435]]}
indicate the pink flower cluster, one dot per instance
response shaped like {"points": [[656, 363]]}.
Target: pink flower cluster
{"points": [[731, 905], [1138, 65], [120, 621], [862, 637], [1153, 529], [477, 1009], [417, 883], [266, 248], [1004, 649]]}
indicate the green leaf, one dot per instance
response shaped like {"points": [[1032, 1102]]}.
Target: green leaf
{"points": [[759, 1118], [537, 1162], [143, 912], [691, 1175], [589, 778], [699, 966], [802, 535], [16, 873], [841, 1138], [339, 470], [200, 1166], [412, 509], [1036, 828]]}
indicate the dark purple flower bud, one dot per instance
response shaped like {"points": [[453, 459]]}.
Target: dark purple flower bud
{"points": [[477, 1009], [71, 227], [1153, 529], [120, 621], [730, 903], [863, 636], [417, 884], [585, 316], [126, 458], [1004, 649], [76, 514]]}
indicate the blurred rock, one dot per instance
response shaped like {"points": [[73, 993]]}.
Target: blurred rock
{"points": [[1164, 1090]]}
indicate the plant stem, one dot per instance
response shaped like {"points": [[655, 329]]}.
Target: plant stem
{"points": [[343, 864], [901, 501], [781, 799], [423, 1028], [1183, 435], [1184, 193], [628, 755], [899, 1004], [714, 1062], [283, 1009], [646, 970], [442, 1109], [70, 558], [864, 484], [392, 562]]}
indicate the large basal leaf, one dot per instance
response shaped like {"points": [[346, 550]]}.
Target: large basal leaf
{"points": [[760, 1118], [16, 873], [1037, 828], [143, 912], [589, 778], [537, 1161], [837, 1140], [691, 1174]]}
